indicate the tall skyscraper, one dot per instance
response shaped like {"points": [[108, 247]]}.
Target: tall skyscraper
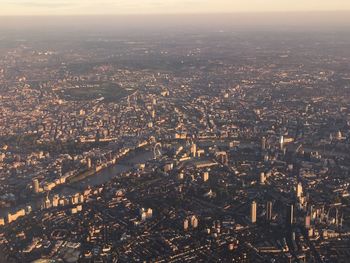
{"points": [[205, 176], [194, 221], [253, 212], [263, 143], [281, 142], [290, 215], [194, 150], [36, 187], [269, 211], [299, 190], [88, 163]]}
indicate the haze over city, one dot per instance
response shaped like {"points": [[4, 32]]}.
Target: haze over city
{"points": [[84, 7], [169, 14], [174, 131]]}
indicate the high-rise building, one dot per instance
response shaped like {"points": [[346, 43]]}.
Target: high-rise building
{"points": [[263, 143], [253, 212], [36, 187], [281, 142], [88, 163], [205, 176], [194, 221], [46, 203], [311, 212], [299, 190], [269, 211], [186, 224], [149, 213], [143, 216], [194, 150], [290, 215], [262, 178], [55, 200]]}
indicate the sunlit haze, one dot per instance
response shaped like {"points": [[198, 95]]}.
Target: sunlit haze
{"points": [[174, 131], [86, 7]]}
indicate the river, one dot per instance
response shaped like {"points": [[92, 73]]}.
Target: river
{"points": [[99, 178]]}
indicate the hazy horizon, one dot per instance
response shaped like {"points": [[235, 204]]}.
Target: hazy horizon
{"points": [[103, 7], [321, 20]]}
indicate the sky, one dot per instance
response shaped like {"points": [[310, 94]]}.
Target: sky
{"points": [[115, 7]]}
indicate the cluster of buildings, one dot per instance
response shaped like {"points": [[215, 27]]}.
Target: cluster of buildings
{"points": [[247, 153]]}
